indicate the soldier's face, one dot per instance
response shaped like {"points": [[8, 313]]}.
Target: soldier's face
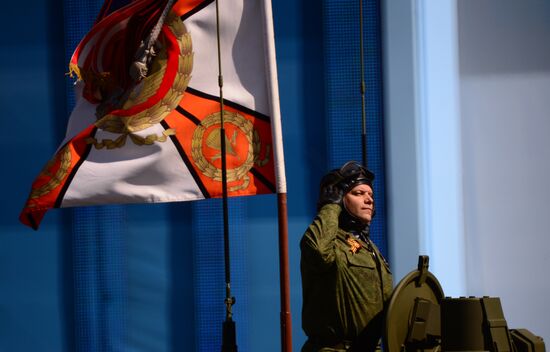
{"points": [[360, 202]]}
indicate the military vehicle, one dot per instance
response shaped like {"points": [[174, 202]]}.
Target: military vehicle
{"points": [[420, 318]]}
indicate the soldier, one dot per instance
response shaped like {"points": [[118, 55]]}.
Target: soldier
{"points": [[346, 281]]}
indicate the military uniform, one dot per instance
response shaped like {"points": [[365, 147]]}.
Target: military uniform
{"points": [[346, 283]]}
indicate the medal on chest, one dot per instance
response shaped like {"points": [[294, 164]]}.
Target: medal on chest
{"points": [[354, 245]]}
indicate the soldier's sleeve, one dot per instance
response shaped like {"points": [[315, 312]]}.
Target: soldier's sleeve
{"points": [[317, 244]]}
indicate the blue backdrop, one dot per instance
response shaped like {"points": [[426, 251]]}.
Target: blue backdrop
{"points": [[150, 278]]}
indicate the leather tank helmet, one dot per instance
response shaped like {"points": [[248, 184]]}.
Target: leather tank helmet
{"points": [[346, 178]]}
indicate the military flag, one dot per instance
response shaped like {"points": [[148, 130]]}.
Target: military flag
{"points": [[146, 124]]}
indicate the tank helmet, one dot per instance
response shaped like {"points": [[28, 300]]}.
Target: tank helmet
{"points": [[348, 176], [354, 174]]}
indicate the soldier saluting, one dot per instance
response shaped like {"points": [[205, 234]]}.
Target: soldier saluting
{"points": [[346, 281]]}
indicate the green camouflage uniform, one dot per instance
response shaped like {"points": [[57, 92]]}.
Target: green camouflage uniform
{"points": [[342, 290]]}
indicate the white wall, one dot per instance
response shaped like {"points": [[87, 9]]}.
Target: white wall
{"points": [[399, 121], [467, 87], [505, 102], [423, 139]]}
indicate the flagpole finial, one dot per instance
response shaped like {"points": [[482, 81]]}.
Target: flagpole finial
{"points": [[140, 67], [146, 51]]}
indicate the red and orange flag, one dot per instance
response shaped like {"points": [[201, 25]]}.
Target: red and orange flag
{"points": [[158, 139]]}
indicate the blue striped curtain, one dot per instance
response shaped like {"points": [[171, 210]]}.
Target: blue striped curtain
{"points": [[172, 297], [343, 96], [99, 291]]}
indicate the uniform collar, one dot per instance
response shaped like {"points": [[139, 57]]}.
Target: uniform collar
{"points": [[353, 225]]}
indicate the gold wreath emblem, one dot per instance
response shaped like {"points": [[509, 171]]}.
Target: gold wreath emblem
{"points": [[213, 140], [127, 125], [55, 179]]}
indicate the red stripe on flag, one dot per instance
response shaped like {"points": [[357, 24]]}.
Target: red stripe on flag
{"points": [[182, 7]]}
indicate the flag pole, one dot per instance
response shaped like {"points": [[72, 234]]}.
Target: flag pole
{"points": [[286, 326], [229, 340], [276, 131], [363, 89]]}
